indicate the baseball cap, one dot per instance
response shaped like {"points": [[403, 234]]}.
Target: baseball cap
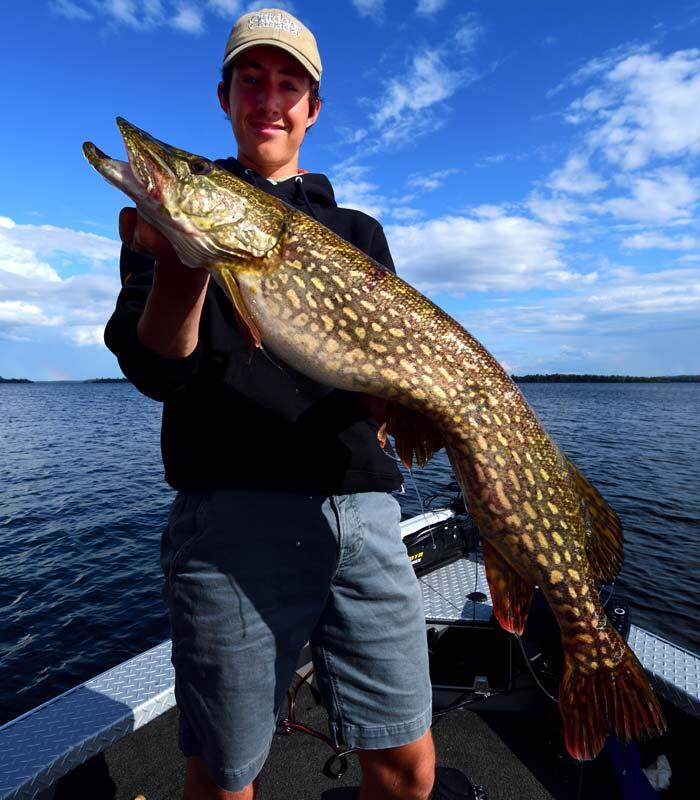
{"points": [[279, 29]]}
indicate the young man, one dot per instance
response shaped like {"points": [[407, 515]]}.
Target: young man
{"points": [[283, 530]]}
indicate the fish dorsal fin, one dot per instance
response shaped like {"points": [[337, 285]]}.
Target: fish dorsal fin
{"points": [[604, 531], [249, 330], [511, 595], [415, 436]]}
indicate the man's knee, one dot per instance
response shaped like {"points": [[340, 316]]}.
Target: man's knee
{"points": [[407, 771], [200, 786]]}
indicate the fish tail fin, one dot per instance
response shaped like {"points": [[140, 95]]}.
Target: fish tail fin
{"points": [[608, 697]]}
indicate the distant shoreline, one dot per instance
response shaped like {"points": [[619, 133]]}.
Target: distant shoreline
{"points": [[555, 377], [558, 377]]}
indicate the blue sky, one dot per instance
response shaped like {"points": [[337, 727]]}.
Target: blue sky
{"points": [[535, 165]]}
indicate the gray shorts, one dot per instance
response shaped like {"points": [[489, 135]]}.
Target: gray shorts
{"points": [[251, 576]]}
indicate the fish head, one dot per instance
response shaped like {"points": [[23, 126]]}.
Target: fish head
{"points": [[209, 215]]}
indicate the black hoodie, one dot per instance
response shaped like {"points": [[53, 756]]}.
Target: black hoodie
{"points": [[232, 418]]}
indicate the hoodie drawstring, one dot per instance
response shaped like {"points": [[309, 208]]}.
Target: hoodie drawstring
{"points": [[300, 190]]}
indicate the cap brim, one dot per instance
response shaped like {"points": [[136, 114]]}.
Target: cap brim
{"points": [[300, 57]]}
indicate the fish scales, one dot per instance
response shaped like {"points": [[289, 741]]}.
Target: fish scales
{"points": [[326, 308]]}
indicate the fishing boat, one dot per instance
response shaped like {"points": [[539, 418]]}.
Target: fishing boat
{"points": [[495, 714]]}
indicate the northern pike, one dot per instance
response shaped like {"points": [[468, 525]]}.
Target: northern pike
{"points": [[330, 311]]}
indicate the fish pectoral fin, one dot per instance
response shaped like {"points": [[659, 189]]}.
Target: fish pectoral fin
{"points": [[511, 595], [604, 535], [415, 436], [249, 330]]}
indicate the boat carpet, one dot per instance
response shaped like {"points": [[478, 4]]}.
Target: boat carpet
{"points": [[514, 754]]}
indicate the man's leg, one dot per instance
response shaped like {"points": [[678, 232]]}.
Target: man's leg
{"points": [[199, 786], [398, 773]]}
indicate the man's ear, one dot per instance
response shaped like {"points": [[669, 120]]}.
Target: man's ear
{"points": [[313, 117], [223, 100]]}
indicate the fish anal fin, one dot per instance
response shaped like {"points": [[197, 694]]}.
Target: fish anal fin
{"points": [[415, 436], [595, 699], [511, 594], [604, 535], [249, 330]]}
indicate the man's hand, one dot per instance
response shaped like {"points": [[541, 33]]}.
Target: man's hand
{"points": [[141, 237], [169, 324]]}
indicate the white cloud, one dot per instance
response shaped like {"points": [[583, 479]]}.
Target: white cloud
{"points": [[402, 114], [370, 8], [69, 9], [86, 335], [554, 210], [656, 241], [576, 177], [34, 296], [428, 7], [225, 8], [352, 190], [666, 195], [431, 181], [188, 19], [648, 106], [493, 251], [468, 33]]}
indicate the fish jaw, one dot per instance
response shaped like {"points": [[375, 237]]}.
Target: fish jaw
{"points": [[210, 216]]}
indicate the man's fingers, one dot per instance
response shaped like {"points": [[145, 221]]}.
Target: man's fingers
{"points": [[127, 225]]}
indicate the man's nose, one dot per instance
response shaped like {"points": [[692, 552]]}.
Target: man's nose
{"points": [[268, 99]]}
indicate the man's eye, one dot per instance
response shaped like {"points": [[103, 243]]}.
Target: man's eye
{"points": [[252, 81]]}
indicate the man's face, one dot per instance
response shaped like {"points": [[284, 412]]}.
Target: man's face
{"points": [[268, 103]]}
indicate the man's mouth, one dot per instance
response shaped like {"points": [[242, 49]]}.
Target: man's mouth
{"points": [[266, 127]]}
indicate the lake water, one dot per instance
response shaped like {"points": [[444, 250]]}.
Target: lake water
{"points": [[83, 503]]}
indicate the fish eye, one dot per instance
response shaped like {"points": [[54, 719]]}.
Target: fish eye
{"points": [[200, 167]]}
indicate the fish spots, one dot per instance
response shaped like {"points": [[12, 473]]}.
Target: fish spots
{"points": [[301, 320], [574, 574], [556, 576], [514, 480], [328, 303], [331, 345], [542, 539], [390, 374], [354, 355], [378, 348], [500, 461], [426, 350], [439, 392], [586, 638], [345, 336], [530, 477], [272, 284], [369, 306], [527, 541], [567, 556], [590, 607], [318, 284], [519, 436], [311, 301], [397, 332], [501, 438], [556, 557], [572, 592], [547, 524], [327, 322], [299, 282], [368, 368], [516, 457], [558, 538], [483, 444], [501, 495], [542, 559], [360, 333], [529, 510], [408, 366], [552, 507], [544, 474], [376, 327], [338, 280], [293, 298], [514, 521]]}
